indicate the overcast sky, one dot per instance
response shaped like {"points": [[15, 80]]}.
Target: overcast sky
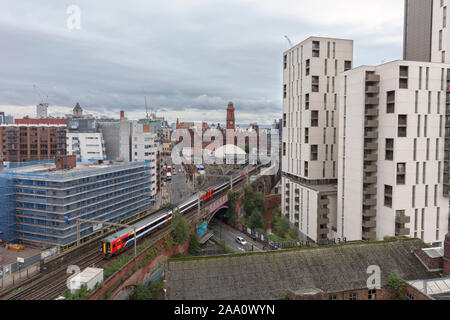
{"points": [[190, 56]]}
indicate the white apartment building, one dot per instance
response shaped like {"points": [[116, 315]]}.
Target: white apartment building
{"points": [[392, 172], [440, 38], [310, 132], [145, 147], [86, 145]]}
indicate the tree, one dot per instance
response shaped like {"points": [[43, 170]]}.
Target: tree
{"points": [[141, 293], [397, 285], [194, 245], [253, 200], [180, 228], [231, 213], [256, 220]]}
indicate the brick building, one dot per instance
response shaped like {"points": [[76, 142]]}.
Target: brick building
{"points": [[23, 142]]}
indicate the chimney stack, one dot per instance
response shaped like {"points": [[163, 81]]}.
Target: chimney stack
{"points": [[447, 255], [122, 114]]}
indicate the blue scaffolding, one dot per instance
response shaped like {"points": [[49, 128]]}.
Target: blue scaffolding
{"points": [[44, 207]]}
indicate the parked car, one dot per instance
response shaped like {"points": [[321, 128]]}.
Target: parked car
{"points": [[241, 241]]}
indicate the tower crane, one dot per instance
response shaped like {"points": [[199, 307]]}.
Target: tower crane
{"points": [[38, 91], [289, 40]]}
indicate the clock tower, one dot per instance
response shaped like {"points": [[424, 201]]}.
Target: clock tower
{"points": [[230, 117]]}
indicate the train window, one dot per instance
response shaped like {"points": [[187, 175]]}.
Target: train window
{"points": [[108, 247]]}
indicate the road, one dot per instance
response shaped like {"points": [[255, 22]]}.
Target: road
{"points": [[177, 189], [224, 232]]}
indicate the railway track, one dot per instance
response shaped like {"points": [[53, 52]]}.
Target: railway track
{"points": [[51, 285]]}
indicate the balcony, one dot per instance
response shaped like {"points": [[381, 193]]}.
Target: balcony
{"points": [[324, 221], [323, 231], [369, 224], [370, 180], [324, 211], [403, 219], [402, 232], [369, 213], [371, 124], [369, 235], [370, 202], [371, 157], [370, 191], [372, 112], [372, 100], [370, 168], [371, 146], [371, 77], [372, 89], [324, 202]]}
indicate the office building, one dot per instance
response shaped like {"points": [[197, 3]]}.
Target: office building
{"points": [[22, 142], [43, 200]]}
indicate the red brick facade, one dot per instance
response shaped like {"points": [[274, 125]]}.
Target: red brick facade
{"points": [[411, 293]]}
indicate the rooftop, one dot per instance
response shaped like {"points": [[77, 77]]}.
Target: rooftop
{"points": [[329, 269]]}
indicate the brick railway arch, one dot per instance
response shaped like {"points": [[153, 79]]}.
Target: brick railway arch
{"points": [[212, 214]]}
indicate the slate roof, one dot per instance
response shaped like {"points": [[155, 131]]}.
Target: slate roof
{"points": [[270, 275]]}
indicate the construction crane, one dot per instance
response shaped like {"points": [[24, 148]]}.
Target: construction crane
{"points": [[289, 40], [146, 107], [38, 91]]}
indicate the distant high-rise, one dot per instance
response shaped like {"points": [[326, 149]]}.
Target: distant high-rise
{"points": [[426, 36], [42, 110]]}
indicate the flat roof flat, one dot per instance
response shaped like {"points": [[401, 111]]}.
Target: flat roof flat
{"points": [[8, 256]]}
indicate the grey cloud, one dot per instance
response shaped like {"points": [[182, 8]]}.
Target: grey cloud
{"points": [[182, 54]]}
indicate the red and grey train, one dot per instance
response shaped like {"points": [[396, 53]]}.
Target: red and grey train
{"points": [[124, 238]]}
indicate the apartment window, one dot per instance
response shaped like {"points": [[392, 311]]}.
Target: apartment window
{"points": [[389, 149], [306, 169], [429, 102], [438, 213], [334, 50], [314, 118], [417, 172], [426, 196], [372, 294], [284, 120], [314, 152], [390, 102], [428, 149], [326, 66], [307, 101], [415, 150], [316, 49], [328, 49], [420, 78], [306, 135], [416, 105], [284, 148], [347, 65], [324, 101], [402, 125], [427, 75], [307, 66], [440, 40], [444, 18], [335, 68], [443, 57], [418, 125], [323, 169], [326, 152], [324, 135], [333, 298], [388, 196], [401, 173], [334, 135], [353, 296], [403, 82], [424, 172], [413, 196], [435, 194], [285, 61], [284, 91], [315, 83]]}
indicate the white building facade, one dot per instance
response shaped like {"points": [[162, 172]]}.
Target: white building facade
{"points": [[86, 145], [310, 131], [392, 152]]}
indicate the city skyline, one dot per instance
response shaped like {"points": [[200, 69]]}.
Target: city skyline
{"points": [[107, 65]]}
